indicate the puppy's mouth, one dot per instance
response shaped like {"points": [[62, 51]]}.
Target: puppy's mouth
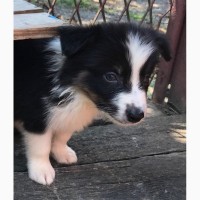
{"points": [[121, 122]]}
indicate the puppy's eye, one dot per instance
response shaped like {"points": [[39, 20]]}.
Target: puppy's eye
{"points": [[111, 77]]}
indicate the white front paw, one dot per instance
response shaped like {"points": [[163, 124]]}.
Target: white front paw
{"points": [[64, 154], [41, 171]]}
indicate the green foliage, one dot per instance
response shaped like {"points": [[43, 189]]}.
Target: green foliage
{"points": [[69, 3], [150, 89], [136, 16], [84, 3], [110, 11]]}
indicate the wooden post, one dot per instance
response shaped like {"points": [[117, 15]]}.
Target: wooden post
{"points": [[177, 92], [174, 33]]}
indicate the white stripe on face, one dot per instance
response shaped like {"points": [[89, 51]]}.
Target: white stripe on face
{"points": [[139, 52]]}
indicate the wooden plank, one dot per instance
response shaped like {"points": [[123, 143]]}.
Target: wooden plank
{"points": [[152, 177], [175, 26], [36, 25], [177, 92], [21, 7], [35, 33], [142, 162], [156, 135]]}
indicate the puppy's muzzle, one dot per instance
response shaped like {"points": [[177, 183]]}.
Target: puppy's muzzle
{"points": [[134, 114]]}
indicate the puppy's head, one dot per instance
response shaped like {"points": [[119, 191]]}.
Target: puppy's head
{"points": [[111, 64]]}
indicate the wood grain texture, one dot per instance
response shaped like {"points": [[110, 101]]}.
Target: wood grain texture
{"points": [[156, 135], [21, 7], [35, 25], [156, 177], [141, 162]]}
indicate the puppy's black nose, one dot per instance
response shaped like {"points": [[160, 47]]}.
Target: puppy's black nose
{"points": [[134, 114]]}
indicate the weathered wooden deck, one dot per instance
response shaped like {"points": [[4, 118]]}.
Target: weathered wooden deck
{"points": [[145, 162]]}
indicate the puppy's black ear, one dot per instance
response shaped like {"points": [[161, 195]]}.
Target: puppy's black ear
{"points": [[163, 46], [75, 38]]}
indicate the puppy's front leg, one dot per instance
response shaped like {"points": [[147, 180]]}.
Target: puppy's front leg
{"points": [[61, 151], [38, 148]]}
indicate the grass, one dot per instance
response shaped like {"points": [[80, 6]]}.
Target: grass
{"points": [[136, 16], [151, 88], [88, 4], [84, 4]]}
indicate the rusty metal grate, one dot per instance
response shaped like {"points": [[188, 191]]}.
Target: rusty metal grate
{"points": [[124, 15]]}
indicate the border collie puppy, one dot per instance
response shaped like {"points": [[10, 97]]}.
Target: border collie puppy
{"points": [[61, 84]]}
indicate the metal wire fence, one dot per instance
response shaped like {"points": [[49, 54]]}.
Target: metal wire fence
{"points": [[151, 12]]}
